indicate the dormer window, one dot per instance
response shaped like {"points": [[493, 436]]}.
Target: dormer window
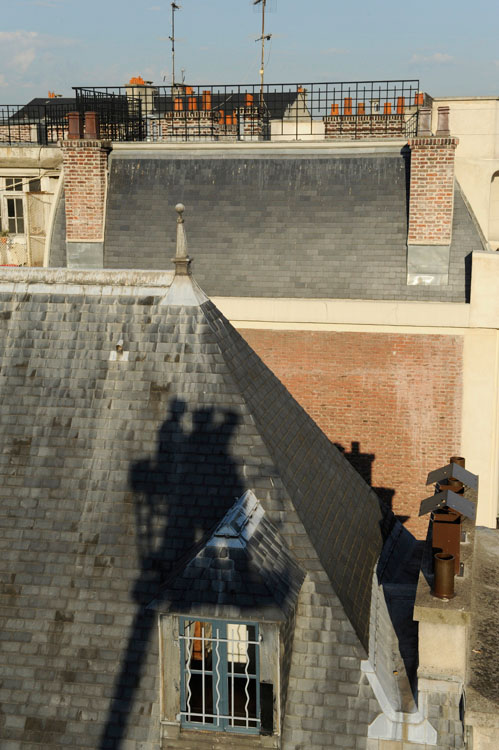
{"points": [[226, 621], [220, 665]]}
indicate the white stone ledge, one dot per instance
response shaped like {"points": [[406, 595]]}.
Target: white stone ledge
{"points": [[341, 314], [362, 146]]}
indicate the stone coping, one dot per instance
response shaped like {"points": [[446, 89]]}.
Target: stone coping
{"points": [[362, 146], [84, 281]]}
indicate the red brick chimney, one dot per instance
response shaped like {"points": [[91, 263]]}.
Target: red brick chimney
{"points": [[85, 183], [431, 200]]}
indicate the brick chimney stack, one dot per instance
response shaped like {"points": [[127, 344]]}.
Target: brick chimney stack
{"points": [[431, 200], [85, 184]]}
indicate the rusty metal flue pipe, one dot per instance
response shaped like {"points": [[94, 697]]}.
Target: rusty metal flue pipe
{"points": [[443, 584]]}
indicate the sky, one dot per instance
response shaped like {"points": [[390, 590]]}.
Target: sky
{"points": [[449, 45]]}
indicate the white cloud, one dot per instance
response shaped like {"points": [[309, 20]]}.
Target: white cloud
{"points": [[27, 55], [436, 57], [3, 80], [23, 59], [7, 37], [20, 49]]}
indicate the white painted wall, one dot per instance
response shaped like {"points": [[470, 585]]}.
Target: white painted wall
{"points": [[475, 121]]}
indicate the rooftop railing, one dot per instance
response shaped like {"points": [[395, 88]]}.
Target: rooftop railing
{"points": [[22, 124], [274, 112]]}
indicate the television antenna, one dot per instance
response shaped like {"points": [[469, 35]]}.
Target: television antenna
{"points": [[262, 39], [172, 39]]}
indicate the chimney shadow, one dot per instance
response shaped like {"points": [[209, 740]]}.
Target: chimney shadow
{"points": [[363, 463], [179, 496], [398, 567], [406, 155]]}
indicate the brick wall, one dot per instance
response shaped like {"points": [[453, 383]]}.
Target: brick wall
{"points": [[188, 126], [364, 126], [17, 133], [391, 401], [85, 176], [432, 190]]}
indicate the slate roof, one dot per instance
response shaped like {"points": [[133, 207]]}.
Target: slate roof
{"points": [[243, 570], [116, 460], [32, 111], [278, 224]]}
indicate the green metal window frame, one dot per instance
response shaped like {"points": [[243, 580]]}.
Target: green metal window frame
{"points": [[216, 714]]}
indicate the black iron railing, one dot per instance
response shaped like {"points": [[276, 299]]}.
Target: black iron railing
{"points": [[308, 111], [34, 123], [120, 113]]}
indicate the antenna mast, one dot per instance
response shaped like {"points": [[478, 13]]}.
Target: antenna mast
{"points": [[172, 39], [262, 39]]}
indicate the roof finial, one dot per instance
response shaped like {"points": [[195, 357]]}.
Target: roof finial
{"points": [[181, 259]]}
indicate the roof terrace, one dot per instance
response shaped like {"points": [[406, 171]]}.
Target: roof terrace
{"points": [[274, 112]]}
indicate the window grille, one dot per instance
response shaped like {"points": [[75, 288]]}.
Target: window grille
{"points": [[220, 687]]}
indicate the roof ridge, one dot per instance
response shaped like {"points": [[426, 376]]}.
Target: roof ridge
{"points": [[348, 537]]}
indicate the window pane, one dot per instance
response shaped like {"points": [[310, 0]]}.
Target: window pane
{"points": [[242, 696], [15, 215], [199, 644], [241, 648], [198, 677], [198, 704], [13, 183], [35, 186], [241, 672]]}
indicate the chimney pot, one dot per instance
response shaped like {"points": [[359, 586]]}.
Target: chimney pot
{"points": [[75, 126], [92, 126], [443, 585], [443, 121], [206, 99], [424, 121]]}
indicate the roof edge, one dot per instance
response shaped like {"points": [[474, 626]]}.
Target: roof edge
{"points": [[91, 281]]}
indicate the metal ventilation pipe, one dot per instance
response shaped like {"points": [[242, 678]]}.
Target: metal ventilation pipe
{"points": [[443, 584]]}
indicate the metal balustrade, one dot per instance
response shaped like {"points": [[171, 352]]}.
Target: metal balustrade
{"points": [[310, 111], [225, 113]]}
